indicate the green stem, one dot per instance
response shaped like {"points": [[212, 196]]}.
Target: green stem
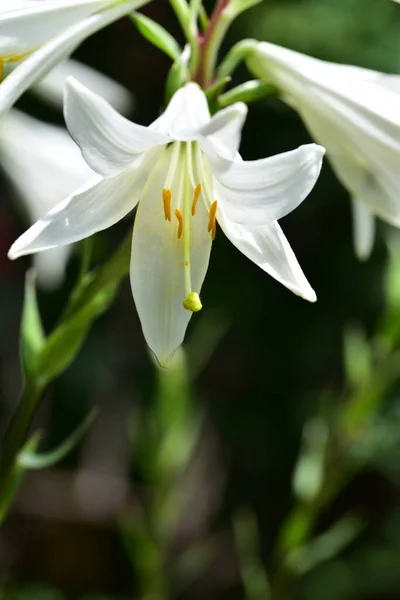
{"points": [[15, 439], [215, 33], [188, 21]]}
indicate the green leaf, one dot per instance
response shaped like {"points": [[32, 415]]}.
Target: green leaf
{"points": [[28, 459], [32, 334], [325, 546], [65, 342], [157, 35], [91, 299]]}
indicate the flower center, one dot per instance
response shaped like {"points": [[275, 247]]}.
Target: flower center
{"points": [[187, 178]]}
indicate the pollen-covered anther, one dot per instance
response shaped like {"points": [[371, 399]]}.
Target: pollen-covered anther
{"points": [[212, 227], [179, 216], [166, 196], [197, 192], [192, 302]]}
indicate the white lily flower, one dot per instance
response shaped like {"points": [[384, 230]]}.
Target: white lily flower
{"points": [[42, 33], [44, 165], [187, 174], [355, 114]]}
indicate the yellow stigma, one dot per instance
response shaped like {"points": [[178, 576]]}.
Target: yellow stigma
{"points": [[192, 302], [179, 216], [212, 225], [197, 192], [166, 196]]}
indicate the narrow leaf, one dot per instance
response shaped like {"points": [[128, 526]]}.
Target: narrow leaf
{"points": [[32, 334], [157, 35], [30, 460]]}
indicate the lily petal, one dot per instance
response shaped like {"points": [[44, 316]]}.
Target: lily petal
{"points": [[267, 247], [51, 88], [108, 141], [29, 25], [268, 189], [363, 229], [225, 128], [37, 65], [186, 113], [96, 206], [158, 265]]}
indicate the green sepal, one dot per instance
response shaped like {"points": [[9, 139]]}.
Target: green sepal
{"points": [[32, 335], [247, 92], [215, 90], [157, 35], [178, 74], [28, 459]]}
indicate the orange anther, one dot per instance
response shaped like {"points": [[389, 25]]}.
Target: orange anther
{"points": [[178, 215], [166, 196], [211, 216], [197, 192]]}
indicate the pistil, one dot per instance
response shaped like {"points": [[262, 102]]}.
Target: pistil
{"points": [[192, 300]]}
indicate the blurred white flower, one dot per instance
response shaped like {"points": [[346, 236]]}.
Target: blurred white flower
{"points": [[187, 174], [355, 114], [44, 165], [51, 88], [36, 35]]}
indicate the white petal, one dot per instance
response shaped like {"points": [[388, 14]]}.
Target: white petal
{"points": [[50, 267], [108, 141], [368, 170], [31, 24], [225, 128], [51, 88], [268, 247], [363, 229], [268, 189], [157, 267], [186, 113], [41, 160], [43, 60], [95, 207]]}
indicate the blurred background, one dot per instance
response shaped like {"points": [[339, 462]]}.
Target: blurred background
{"points": [[266, 463]]}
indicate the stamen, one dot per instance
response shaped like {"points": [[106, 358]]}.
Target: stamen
{"points": [[211, 217], [166, 196], [179, 216], [214, 231], [197, 192], [1, 69], [192, 302]]}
